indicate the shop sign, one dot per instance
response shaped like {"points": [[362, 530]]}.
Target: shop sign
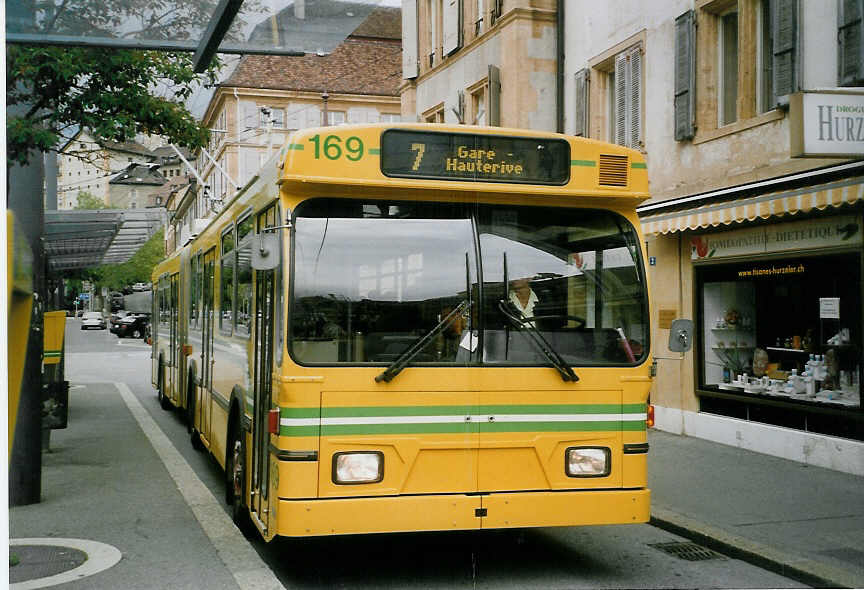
{"points": [[826, 124], [829, 308], [843, 230]]}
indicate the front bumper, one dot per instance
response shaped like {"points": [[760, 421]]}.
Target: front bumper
{"points": [[298, 518]]}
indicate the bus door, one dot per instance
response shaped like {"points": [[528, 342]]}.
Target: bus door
{"points": [[173, 374], [263, 380], [264, 297], [202, 408]]}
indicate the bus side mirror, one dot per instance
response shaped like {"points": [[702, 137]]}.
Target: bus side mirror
{"points": [[681, 336], [265, 251]]}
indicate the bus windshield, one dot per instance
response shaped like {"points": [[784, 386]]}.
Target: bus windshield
{"points": [[372, 278]]}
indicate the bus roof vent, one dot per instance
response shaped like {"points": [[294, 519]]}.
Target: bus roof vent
{"points": [[613, 170]]}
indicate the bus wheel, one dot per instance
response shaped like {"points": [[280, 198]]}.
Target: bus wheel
{"points": [[195, 439], [190, 402], [235, 479], [163, 399]]}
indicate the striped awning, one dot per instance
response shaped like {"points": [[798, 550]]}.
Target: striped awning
{"points": [[788, 202]]}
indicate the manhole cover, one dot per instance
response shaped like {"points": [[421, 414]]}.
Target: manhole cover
{"points": [[41, 561], [686, 550]]}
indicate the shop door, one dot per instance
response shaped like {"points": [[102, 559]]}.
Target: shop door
{"points": [[202, 406], [263, 379]]}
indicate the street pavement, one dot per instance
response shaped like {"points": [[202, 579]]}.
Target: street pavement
{"points": [[124, 474], [796, 519]]}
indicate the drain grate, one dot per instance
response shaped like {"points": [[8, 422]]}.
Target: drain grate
{"points": [[687, 551]]}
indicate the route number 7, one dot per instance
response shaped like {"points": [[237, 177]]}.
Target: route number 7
{"points": [[419, 148]]}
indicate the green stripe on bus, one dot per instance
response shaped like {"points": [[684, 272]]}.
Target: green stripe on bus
{"points": [[589, 163], [295, 146], [374, 151], [299, 430], [463, 428], [639, 165], [611, 425], [51, 353], [366, 411], [299, 412]]}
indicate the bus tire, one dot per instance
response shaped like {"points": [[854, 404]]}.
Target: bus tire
{"points": [[191, 391], [235, 478], [195, 439], [163, 399]]}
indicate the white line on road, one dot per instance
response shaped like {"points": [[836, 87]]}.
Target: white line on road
{"points": [[247, 567]]}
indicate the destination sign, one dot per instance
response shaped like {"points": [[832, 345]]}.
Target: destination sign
{"points": [[479, 158]]}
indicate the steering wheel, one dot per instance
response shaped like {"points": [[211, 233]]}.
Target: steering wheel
{"points": [[557, 316]]}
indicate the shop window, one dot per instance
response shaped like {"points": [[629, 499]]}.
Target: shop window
{"points": [[783, 329]]}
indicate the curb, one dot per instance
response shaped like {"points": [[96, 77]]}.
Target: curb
{"points": [[793, 566]]}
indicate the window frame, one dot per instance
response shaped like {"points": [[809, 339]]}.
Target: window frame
{"points": [[230, 257], [601, 82]]}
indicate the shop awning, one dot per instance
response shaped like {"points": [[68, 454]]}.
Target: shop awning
{"points": [[786, 202]]}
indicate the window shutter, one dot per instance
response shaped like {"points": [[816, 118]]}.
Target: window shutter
{"points": [[850, 48], [634, 97], [452, 26], [685, 75], [410, 50], [580, 126], [493, 117], [785, 31], [622, 89]]}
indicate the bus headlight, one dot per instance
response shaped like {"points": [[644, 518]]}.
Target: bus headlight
{"points": [[587, 461], [358, 467]]}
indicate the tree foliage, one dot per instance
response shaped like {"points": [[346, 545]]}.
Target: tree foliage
{"points": [[112, 94], [87, 200], [136, 270]]}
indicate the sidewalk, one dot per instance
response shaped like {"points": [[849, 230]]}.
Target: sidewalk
{"points": [[110, 482], [797, 520]]}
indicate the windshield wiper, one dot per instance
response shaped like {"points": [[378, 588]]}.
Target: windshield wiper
{"points": [[403, 359], [526, 324]]}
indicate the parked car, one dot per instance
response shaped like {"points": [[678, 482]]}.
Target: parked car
{"points": [[133, 325], [115, 319], [141, 287], [92, 319]]}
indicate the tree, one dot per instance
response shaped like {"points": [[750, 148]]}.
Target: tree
{"points": [[110, 93], [87, 200], [135, 270]]}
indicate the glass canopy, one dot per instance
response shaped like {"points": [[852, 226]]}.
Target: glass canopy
{"points": [[205, 26]]}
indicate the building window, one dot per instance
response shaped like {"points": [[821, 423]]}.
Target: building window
{"points": [[336, 117], [747, 64], [433, 10], [478, 103], [390, 118], [615, 96], [478, 18], [435, 114], [727, 82], [765, 60]]}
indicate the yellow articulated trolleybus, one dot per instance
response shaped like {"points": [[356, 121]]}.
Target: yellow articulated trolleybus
{"points": [[418, 327]]}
